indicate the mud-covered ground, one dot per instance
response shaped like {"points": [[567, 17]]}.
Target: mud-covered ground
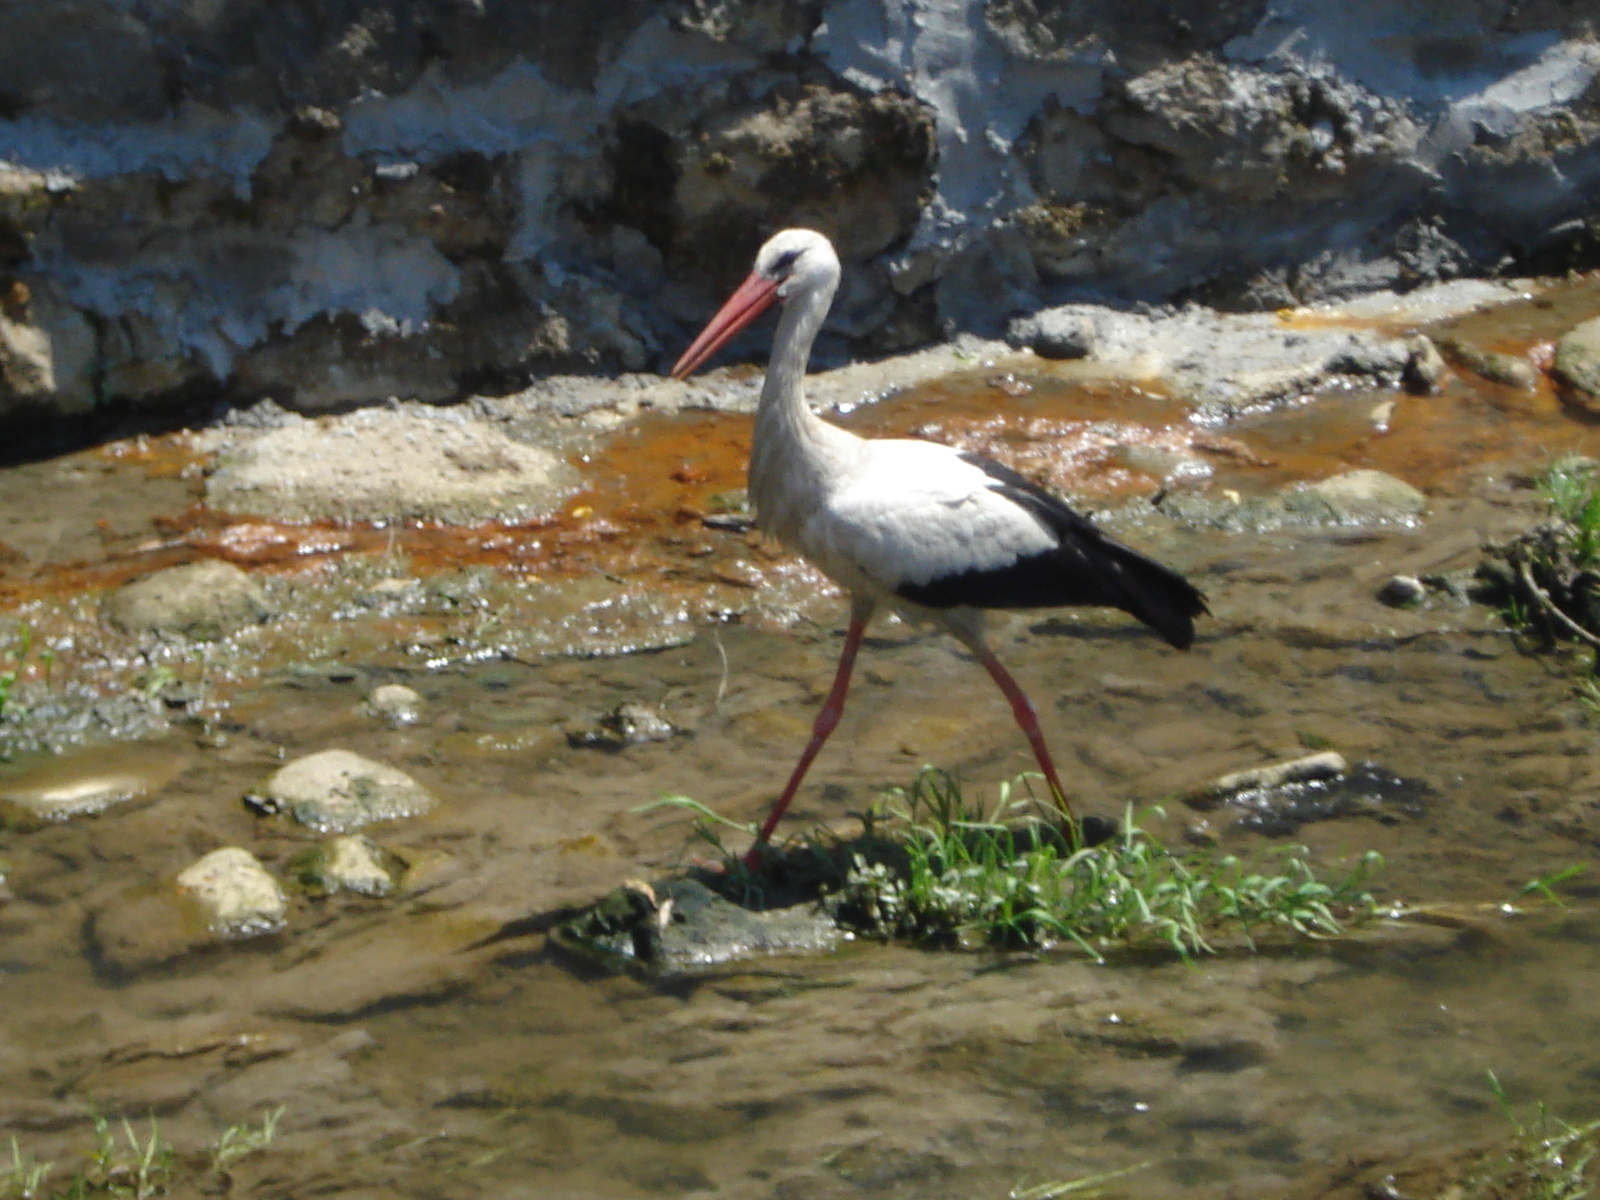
{"points": [[427, 1042]]}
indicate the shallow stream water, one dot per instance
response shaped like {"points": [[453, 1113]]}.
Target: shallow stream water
{"points": [[431, 1044]]}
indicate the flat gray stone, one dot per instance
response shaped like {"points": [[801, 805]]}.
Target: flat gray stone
{"points": [[1355, 498], [681, 926], [1329, 764], [85, 782], [1360, 497], [385, 465]]}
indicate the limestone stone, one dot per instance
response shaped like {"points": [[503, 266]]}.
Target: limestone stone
{"points": [[380, 465], [239, 898], [339, 791], [207, 599]]}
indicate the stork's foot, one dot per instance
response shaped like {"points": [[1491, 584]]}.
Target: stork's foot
{"points": [[754, 856]]}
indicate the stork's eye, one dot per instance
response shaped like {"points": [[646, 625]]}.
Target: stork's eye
{"points": [[785, 261]]}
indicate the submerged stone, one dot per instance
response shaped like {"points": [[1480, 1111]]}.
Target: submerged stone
{"points": [[682, 926], [339, 791], [1355, 498], [1277, 799], [1403, 591], [629, 724], [1329, 764], [86, 783], [1362, 497], [346, 864], [1493, 365]]}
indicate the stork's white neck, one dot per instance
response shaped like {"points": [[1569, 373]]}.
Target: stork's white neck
{"points": [[794, 453], [798, 326]]}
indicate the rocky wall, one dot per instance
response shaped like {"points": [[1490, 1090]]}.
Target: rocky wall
{"points": [[334, 201]]}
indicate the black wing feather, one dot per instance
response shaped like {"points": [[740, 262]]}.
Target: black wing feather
{"points": [[1087, 567]]}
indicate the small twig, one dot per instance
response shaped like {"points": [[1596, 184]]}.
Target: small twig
{"points": [[722, 684], [1549, 606]]}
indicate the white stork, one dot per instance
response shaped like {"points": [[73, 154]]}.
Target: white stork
{"points": [[932, 533]]}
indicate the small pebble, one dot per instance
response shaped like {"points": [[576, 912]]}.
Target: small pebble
{"points": [[1403, 591], [396, 704]]}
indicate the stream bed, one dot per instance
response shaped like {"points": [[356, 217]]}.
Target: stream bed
{"points": [[429, 1042]]}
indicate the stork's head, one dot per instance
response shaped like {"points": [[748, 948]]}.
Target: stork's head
{"points": [[794, 263], [796, 260]]}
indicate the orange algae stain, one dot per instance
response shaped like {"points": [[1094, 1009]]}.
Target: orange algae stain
{"points": [[667, 468], [647, 489], [169, 456]]}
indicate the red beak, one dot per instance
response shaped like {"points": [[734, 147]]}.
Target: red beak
{"points": [[754, 297]]}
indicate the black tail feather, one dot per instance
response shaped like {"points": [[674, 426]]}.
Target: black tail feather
{"points": [[1086, 567]]}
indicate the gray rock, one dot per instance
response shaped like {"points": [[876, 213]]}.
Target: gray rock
{"points": [[629, 724], [1361, 497], [681, 926], [355, 864], [1425, 368], [47, 352], [395, 703], [207, 599], [1577, 362], [1066, 332], [1278, 799], [338, 791], [383, 465], [1493, 365], [403, 236], [235, 892], [1222, 362]]}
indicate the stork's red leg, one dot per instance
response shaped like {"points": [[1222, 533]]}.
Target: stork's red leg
{"points": [[1022, 709], [832, 710]]}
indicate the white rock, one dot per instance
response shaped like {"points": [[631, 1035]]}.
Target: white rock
{"points": [[1329, 764], [339, 791], [396, 704], [239, 898]]}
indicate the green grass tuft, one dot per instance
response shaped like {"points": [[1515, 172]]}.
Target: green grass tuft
{"points": [[1572, 486], [931, 869], [1547, 1160], [970, 878], [127, 1165]]}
